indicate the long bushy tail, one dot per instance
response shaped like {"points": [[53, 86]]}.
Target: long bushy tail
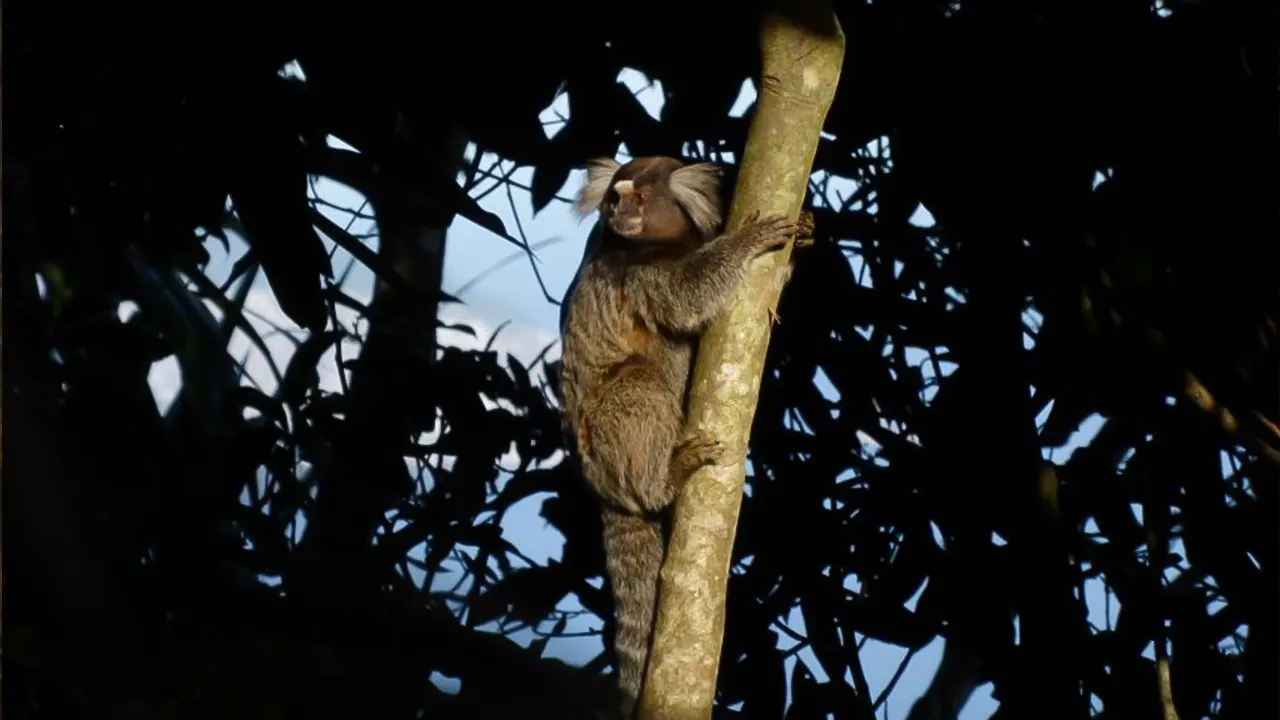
{"points": [[633, 549]]}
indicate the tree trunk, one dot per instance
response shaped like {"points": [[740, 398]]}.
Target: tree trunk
{"points": [[802, 51]]}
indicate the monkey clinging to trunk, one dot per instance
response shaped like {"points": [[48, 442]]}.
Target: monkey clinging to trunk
{"points": [[655, 273]]}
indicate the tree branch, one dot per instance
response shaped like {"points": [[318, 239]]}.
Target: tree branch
{"points": [[802, 51]]}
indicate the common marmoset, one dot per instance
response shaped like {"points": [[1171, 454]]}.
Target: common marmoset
{"points": [[655, 273]]}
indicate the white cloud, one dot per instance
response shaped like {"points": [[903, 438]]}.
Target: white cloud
{"points": [[523, 341]]}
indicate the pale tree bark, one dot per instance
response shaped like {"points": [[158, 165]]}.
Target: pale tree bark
{"points": [[802, 48]]}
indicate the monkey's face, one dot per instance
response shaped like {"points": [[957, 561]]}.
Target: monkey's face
{"points": [[640, 210]]}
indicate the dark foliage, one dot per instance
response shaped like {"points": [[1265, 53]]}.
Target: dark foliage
{"points": [[138, 542]]}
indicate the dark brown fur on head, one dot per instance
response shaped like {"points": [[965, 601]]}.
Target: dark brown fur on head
{"points": [[654, 198]]}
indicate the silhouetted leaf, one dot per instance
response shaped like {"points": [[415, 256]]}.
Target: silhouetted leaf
{"points": [[302, 371], [548, 178], [263, 403], [270, 198]]}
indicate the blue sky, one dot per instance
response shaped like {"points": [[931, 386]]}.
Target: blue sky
{"points": [[497, 285]]}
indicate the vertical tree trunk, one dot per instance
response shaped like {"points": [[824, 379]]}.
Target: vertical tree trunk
{"points": [[803, 48]]}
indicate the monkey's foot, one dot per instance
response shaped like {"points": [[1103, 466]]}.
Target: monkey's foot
{"points": [[696, 450]]}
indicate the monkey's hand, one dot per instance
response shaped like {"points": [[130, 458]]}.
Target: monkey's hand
{"points": [[772, 233], [804, 238], [804, 229]]}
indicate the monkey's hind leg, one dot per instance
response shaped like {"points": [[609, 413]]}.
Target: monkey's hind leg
{"points": [[634, 548], [634, 428], [696, 450]]}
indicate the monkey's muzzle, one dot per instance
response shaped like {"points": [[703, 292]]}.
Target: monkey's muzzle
{"points": [[629, 227]]}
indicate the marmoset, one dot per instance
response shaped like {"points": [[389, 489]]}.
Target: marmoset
{"points": [[655, 273]]}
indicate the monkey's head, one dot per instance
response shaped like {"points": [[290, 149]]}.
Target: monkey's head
{"points": [[654, 198]]}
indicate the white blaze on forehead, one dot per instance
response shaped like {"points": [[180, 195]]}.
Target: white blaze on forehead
{"points": [[624, 187]]}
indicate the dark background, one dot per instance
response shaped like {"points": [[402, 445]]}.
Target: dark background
{"points": [[132, 566]]}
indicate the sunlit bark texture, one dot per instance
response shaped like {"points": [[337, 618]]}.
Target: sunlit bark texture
{"points": [[803, 48]]}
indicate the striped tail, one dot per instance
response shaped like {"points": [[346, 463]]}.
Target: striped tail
{"points": [[633, 548]]}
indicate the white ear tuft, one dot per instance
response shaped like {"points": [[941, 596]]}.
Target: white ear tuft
{"points": [[697, 188], [600, 174]]}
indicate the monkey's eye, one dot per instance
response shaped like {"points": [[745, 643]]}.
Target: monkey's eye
{"points": [[639, 196]]}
